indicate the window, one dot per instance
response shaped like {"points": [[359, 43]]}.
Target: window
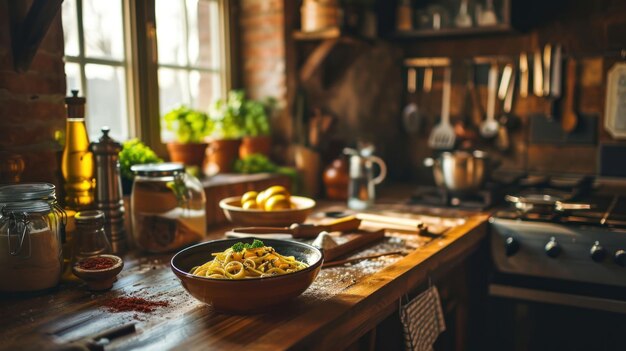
{"points": [[191, 66], [189, 41], [96, 62]]}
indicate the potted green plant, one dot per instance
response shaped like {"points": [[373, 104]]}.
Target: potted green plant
{"points": [[256, 138], [225, 134], [134, 152], [190, 127]]}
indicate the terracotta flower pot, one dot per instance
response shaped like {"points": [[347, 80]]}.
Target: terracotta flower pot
{"points": [[221, 155], [255, 145], [191, 154]]}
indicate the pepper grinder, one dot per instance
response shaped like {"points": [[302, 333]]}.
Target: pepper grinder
{"points": [[109, 189]]}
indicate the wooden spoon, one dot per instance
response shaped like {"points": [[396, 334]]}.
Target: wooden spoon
{"points": [[569, 119]]}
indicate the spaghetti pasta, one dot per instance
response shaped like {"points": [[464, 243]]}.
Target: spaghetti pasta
{"points": [[243, 261]]}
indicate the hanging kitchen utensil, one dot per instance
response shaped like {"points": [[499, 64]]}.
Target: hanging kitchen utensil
{"points": [[523, 68], [537, 74], [464, 126], [428, 80], [507, 72], [503, 141], [615, 110], [478, 112], [557, 60], [489, 127], [547, 61], [554, 91], [410, 114], [569, 119], [442, 136]]}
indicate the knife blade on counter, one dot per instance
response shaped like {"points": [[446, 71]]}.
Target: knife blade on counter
{"points": [[298, 230]]}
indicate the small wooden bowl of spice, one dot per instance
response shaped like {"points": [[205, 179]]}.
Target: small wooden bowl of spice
{"points": [[99, 272]]}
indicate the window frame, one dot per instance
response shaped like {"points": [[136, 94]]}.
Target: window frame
{"points": [[82, 60], [141, 65]]}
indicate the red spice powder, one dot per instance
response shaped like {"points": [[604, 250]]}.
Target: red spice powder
{"points": [[138, 304], [95, 263]]}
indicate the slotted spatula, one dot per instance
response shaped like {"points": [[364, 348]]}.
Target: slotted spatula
{"points": [[442, 136]]}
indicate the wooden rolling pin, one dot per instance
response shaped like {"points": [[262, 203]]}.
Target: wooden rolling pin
{"points": [[298, 230], [393, 222]]}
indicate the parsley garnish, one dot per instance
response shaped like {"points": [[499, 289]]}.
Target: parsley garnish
{"points": [[238, 247]]}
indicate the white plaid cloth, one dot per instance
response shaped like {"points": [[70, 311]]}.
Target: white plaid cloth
{"points": [[423, 320]]}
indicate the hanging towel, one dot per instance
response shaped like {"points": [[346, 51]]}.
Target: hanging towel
{"points": [[423, 320]]}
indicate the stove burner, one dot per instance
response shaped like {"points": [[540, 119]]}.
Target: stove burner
{"points": [[492, 194], [433, 196]]}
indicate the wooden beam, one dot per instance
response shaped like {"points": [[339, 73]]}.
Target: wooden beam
{"points": [[29, 30]]}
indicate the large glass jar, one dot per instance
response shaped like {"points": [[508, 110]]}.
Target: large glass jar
{"points": [[167, 207], [31, 233]]}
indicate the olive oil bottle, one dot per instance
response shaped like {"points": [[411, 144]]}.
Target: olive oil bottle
{"points": [[77, 164]]}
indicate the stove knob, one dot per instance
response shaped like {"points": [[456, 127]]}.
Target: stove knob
{"points": [[511, 246], [597, 252], [620, 257], [553, 249]]}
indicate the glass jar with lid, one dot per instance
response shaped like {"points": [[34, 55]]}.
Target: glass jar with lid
{"points": [[32, 227], [90, 238], [168, 207]]}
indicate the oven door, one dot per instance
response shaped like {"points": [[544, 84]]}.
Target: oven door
{"points": [[544, 314], [598, 301]]}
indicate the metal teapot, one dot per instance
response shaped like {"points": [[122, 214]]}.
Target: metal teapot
{"points": [[361, 187]]}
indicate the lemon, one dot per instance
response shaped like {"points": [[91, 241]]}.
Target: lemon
{"points": [[277, 202], [250, 195], [250, 205], [260, 199], [276, 190]]}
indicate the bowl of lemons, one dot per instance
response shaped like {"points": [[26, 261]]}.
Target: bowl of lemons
{"points": [[272, 207]]}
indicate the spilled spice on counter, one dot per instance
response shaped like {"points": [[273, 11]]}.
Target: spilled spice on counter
{"points": [[96, 263], [137, 304]]}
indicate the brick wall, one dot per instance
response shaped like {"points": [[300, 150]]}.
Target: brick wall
{"points": [[261, 28], [31, 106]]}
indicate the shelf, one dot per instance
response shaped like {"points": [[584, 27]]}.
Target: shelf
{"points": [[330, 33], [452, 32]]}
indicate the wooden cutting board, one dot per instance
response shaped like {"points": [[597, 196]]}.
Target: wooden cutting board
{"points": [[357, 240]]}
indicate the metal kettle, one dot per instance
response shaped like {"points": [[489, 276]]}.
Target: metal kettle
{"points": [[361, 186]]}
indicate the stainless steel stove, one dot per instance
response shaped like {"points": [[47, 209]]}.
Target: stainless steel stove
{"points": [[569, 233], [559, 270]]}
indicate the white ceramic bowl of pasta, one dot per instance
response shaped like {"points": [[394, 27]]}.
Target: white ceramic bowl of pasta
{"points": [[250, 217], [249, 295]]}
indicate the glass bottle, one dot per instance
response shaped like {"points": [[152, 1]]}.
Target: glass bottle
{"points": [[77, 161], [89, 238]]}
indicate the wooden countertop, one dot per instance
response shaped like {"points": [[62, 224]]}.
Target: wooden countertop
{"points": [[71, 313]]}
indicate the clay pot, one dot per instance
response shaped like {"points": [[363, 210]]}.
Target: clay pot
{"points": [[191, 154], [255, 145], [221, 155], [336, 179]]}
